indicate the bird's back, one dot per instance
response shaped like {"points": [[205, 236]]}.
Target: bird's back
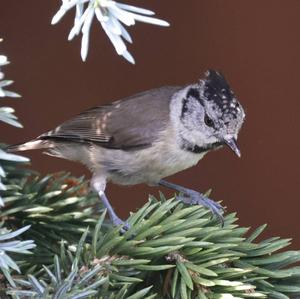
{"points": [[128, 124]]}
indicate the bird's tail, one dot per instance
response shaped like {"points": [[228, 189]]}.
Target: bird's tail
{"points": [[30, 145]]}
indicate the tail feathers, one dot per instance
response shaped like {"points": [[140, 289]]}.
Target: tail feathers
{"points": [[30, 145]]}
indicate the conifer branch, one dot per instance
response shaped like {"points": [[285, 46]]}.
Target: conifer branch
{"points": [[170, 251], [7, 243]]}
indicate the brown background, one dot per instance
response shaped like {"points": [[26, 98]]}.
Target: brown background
{"points": [[254, 43]]}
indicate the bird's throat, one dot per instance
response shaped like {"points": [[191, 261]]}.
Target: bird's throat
{"points": [[196, 149]]}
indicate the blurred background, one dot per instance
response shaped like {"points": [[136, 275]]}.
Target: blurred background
{"points": [[255, 44]]}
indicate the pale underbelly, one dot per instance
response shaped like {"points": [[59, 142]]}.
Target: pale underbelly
{"points": [[152, 170], [132, 167]]}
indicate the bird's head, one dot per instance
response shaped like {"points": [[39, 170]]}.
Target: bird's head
{"points": [[211, 114]]}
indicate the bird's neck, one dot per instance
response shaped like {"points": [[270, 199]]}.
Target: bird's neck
{"points": [[196, 149]]}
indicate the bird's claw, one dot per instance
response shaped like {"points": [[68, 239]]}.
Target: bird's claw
{"points": [[196, 198], [119, 222]]}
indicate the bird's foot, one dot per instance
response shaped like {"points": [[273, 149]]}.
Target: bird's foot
{"points": [[119, 222], [116, 221], [192, 197]]}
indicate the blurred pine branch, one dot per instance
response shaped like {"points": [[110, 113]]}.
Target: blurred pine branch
{"points": [[8, 244]]}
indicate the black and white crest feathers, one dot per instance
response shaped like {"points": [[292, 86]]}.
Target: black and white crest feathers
{"points": [[215, 89]]}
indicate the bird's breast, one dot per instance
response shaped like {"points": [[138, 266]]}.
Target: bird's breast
{"points": [[152, 164], [174, 159], [163, 158]]}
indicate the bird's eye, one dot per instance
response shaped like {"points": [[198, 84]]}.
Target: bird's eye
{"points": [[208, 121]]}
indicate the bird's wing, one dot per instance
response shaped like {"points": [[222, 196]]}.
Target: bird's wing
{"points": [[131, 123]]}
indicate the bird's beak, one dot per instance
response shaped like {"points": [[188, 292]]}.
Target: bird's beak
{"points": [[232, 143]]}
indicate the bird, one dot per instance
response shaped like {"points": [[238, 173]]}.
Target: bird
{"points": [[149, 136]]}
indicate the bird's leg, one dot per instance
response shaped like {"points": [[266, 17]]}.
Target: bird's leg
{"points": [[98, 184], [112, 215], [195, 198]]}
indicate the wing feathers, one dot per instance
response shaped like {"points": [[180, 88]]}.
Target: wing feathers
{"points": [[131, 123]]}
